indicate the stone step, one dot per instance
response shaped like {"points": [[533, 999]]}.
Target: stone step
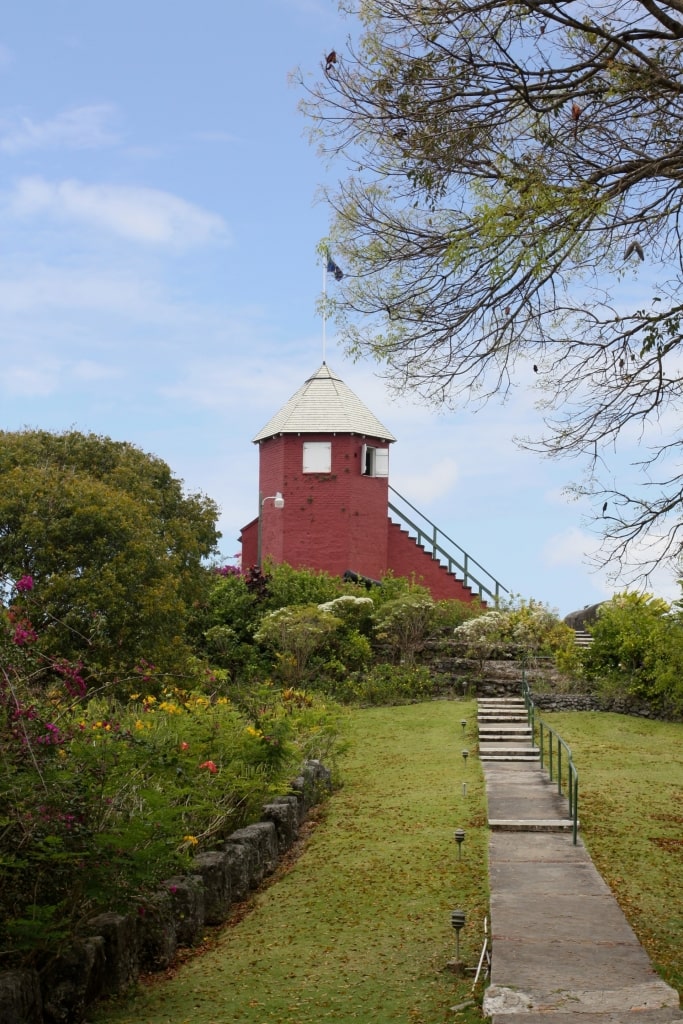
{"points": [[509, 758], [498, 752], [500, 702], [491, 733], [502, 716], [531, 824]]}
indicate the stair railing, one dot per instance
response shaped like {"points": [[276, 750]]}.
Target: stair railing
{"points": [[564, 770], [461, 564]]}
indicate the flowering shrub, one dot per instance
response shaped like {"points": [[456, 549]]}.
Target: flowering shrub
{"points": [[523, 629], [404, 624], [102, 797], [295, 634]]}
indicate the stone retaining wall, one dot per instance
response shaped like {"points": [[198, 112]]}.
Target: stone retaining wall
{"points": [[116, 948], [587, 702]]}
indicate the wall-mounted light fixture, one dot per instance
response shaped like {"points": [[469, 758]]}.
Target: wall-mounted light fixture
{"points": [[278, 502]]}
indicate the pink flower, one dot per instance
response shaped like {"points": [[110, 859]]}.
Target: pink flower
{"points": [[24, 633], [185, 746], [210, 765], [24, 584]]}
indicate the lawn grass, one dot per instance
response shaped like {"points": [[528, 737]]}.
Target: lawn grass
{"points": [[631, 811], [359, 929]]}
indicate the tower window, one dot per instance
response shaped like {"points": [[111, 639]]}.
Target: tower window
{"points": [[317, 456], [374, 461]]}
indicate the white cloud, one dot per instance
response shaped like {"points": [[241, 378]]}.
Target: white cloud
{"points": [[141, 214], [79, 128], [434, 482], [88, 370], [34, 381], [571, 547], [578, 549], [57, 288]]}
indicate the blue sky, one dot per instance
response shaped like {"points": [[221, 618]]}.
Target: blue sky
{"points": [[158, 272]]}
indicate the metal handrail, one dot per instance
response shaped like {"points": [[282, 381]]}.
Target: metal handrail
{"points": [[555, 763], [432, 540]]}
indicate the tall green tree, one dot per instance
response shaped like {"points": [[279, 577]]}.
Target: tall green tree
{"points": [[513, 213], [112, 545]]}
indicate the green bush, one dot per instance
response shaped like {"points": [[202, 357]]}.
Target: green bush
{"points": [[523, 629], [288, 586], [100, 798], [637, 651], [385, 684], [403, 625], [293, 635]]}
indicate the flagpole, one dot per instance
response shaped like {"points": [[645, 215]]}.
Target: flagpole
{"points": [[324, 309]]}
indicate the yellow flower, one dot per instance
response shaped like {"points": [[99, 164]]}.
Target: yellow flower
{"points": [[192, 840], [139, 724], [253, 732], [62, 753], [134, 696]]}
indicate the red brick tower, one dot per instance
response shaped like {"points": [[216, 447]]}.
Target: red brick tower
{"points": [[328, 456], [324, 494]]}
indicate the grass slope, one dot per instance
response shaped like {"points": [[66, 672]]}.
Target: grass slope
{"points": [[359, 930], [631, 810]]}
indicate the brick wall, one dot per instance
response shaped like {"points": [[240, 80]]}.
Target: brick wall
{"points": [[407, 558], [332, 521]]}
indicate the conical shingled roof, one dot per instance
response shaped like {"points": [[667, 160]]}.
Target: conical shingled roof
{"points": [[324, 405]]}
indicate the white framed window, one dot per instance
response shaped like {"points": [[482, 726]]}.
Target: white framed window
{"points": [[317, 456], [374, 461]]}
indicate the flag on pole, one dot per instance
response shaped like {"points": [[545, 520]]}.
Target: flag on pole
{"points": [[332, 268]]}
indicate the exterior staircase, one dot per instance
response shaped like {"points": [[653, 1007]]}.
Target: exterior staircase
{"points": [[582, 638], [504, 730], [520, 796], [444, 550]]}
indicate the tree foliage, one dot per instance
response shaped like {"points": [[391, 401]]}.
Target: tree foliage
{"points": [[513, 211], [637, 651], [112, 545]]}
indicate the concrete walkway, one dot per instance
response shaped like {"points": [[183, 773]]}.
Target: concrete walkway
{"points": [[562, 950]]}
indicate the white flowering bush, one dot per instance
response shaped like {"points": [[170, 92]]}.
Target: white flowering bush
{"points": [[522, 629], [295, 634], [403, 625], [355, 612]]}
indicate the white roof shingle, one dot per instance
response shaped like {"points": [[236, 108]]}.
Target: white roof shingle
{"points": [[324, 405]]}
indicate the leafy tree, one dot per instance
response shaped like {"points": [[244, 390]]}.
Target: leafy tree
{"points": [[112, 546], [227, 621], [637, 650], [513, 211]]}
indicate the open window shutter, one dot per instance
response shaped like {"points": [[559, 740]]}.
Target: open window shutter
{"points": [[381, 462]]}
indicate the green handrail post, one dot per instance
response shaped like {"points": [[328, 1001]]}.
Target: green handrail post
{"points": [[559, 766], [490, 590], [572, 774]]}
